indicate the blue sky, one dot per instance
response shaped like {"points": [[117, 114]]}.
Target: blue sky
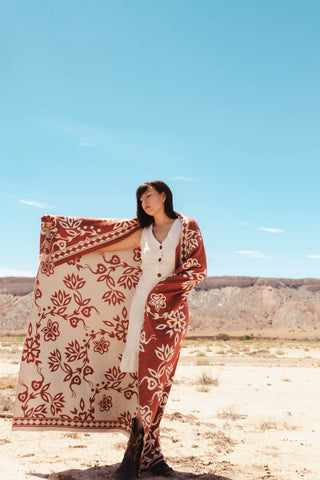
{"points": [[220, 99]]}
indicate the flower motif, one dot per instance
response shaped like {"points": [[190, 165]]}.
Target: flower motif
{"points": [[47, 267], [31, 350], [73, 282], [70, 222], [101, 346], [158, 301], [177, 321], [121, 330], [105, 403], [51, 331], [57, 403], [164, 353]]}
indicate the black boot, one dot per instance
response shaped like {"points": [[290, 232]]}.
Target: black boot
{"points": [[129, 467], [161, 469]]}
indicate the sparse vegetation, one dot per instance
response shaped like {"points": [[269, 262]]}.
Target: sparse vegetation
{"points": [[246, 337], [8, 382], [201, 354], [206, 378], [267, 425], [223, 336], [202, 362], [203, 388], [231, 414]]}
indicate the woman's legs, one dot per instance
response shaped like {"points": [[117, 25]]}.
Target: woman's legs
{"points": [[129, 468], [139, 420]]}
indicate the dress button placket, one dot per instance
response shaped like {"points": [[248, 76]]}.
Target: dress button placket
{"points": [[159, 259]]}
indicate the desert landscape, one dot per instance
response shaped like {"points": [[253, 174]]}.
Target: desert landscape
{"points": [[244, 404]]}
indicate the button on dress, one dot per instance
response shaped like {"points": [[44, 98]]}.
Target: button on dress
{"points": [[157, 263]]}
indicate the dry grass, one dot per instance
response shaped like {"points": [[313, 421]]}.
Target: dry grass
{"points": [[202, 361], [8, 382], [203, 388], [268, 425], [201, 354], [272, 424], [207, 379], [231, 414]]}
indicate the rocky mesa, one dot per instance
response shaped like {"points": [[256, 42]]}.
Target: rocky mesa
{"points": [[218, 303]]}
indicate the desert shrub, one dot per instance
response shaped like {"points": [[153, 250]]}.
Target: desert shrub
{"points": [[206, 378], [223, 336], [201, 354], [246, 337]]}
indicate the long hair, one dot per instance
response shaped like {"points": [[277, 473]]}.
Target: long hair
{"points": [[145, 219]]}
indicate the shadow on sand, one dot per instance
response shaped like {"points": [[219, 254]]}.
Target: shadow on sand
{"points": [[106, 473]]}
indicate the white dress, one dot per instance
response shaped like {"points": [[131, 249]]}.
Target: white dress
{"points": [[157, 263]]}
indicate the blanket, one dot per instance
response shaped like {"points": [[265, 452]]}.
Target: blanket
{"points": [[70, 377]]}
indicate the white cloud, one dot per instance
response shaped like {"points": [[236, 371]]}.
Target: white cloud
{"points": [[10, 272], [252, 253], [35, 204], [184, 179], [314, 256], [272, 230]]}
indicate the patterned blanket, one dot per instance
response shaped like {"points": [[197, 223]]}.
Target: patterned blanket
{"points": [[69, 375]]}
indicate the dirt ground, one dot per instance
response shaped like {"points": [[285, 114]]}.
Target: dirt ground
{"points": [[238, 410]]}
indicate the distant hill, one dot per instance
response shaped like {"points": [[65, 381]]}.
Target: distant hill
{"points": [[218, 303], [16, 285]]}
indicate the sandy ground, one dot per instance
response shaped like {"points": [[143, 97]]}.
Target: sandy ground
{"points": [[239, 410]]}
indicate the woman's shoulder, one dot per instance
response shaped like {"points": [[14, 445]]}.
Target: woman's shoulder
{"points": [[190, 222]]}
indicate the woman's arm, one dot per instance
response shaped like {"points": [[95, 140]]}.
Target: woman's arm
{"points": [[130, 242]]}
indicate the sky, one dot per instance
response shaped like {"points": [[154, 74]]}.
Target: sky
{"points": [[219, 99]]}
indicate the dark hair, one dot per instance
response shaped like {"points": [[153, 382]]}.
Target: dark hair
{"points": [[143, 217]]}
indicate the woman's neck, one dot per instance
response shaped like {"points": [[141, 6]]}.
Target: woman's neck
{"points": [[161, 218]]}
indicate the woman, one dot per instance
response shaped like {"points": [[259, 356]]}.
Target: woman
{"points": [[173, 262]]}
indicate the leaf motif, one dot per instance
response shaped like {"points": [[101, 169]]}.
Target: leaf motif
{"points": [[110, 281], [78, 299], [67, 367], [45, 397], [116, 385], [128, 270], [102, 278], [108, 323], [67, 377], [61, 310], [81, 284], [152, 372]]}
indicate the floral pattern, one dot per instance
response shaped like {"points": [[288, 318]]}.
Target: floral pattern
{"points": [[70, 373]]}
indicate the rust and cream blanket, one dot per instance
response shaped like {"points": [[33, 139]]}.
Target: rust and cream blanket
{"points": [[69, 374]]}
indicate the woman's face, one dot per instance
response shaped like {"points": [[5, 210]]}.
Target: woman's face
{"points": [[152, 201]]}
